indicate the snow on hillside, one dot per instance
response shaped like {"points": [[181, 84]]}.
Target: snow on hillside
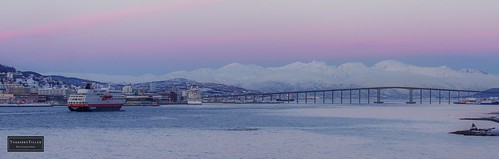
{"points": [[319, 75]]}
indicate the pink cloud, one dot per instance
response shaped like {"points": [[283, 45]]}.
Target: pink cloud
{"points": [[103, 17]]}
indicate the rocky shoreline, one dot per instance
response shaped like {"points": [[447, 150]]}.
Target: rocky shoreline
{"points": [[474, 131]]}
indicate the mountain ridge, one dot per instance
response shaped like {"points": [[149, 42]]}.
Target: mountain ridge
{"points": [[320, 75]]}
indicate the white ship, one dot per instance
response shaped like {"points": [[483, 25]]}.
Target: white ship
{"points": [[194, 95], [88, 98]]}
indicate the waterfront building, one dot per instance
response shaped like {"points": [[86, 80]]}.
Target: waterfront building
{"points": [[14, 75], [54, 91], [6, 98], [142, 100], [23, 94], [10, 75], [127, 89], [17, 90], [152, 87]]}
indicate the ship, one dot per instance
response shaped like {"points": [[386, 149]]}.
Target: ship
{"points": [[490, 101], [194, 96], [89, 98], [467, 101]]}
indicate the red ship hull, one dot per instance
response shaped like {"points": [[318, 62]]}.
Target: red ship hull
{"points": [[94, 107]]}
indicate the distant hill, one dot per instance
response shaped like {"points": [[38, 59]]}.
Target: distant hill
{"points": [[72, 80], [4, 69], [493, 92], [41, 80], [183, 84]]}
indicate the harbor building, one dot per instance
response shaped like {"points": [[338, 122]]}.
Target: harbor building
{"points": [[54, 92], [152, 87], [127, 89]]}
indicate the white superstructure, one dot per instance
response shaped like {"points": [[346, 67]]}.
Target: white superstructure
{"points": [[194, 95]]}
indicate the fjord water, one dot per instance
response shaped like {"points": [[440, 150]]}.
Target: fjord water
{"points": [[253, 131]]}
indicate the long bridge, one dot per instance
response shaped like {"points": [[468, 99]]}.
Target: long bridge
{"points": [[350, 95]]}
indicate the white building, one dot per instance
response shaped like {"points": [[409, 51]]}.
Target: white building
{"points": [[152, 87], [127, 89], [53, 91], [10, 75]]}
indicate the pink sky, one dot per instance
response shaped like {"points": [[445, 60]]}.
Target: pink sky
{"points": [[170, 33]]}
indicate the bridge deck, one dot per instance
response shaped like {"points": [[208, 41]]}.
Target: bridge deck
{"points": [[330, 94]]}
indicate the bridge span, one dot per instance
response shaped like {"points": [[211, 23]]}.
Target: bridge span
{"points": [[367, 95]]}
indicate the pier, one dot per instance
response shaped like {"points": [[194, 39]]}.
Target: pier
{"points": [[367, 95]]}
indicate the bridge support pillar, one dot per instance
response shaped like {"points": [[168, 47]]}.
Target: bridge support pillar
{"points": [[459, 95], [411, 98], [378, 96], [341, 97], [368, 96], [306, 97], [350, 96], [439, 97], [315, 97], [323, 97], [332, 97], [420, 96], [359, 96], [430, 96], [288, 97], [297, 97], [449, 97]]}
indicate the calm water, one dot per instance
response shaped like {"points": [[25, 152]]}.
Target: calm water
{"points": [[235, 131]]}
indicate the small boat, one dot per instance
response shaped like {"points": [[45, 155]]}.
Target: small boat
{"points": [[490, 101], [467, 101], [285, 100]]}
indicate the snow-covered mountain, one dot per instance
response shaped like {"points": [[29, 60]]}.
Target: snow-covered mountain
{"points": [[319, 75]]}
